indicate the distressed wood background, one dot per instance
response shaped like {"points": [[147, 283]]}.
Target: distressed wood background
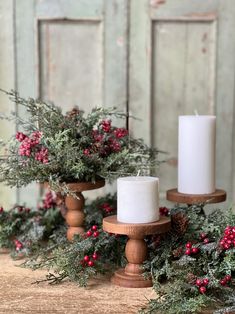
{"points": [[156, 59]]}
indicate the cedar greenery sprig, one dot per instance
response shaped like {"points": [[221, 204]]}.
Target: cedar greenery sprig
{"points": [[23, 230], [195, 269], [56, 147], [96, 252]]}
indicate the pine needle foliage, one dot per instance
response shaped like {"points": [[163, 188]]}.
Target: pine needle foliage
{"points": [[175, 273], [55, 147], [24, 230], [65, 260], [184, 283]]}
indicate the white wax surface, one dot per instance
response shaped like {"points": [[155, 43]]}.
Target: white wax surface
{"points": [[196, 154], [137, 199]]}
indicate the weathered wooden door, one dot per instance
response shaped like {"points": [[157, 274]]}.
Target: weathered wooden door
{"points": [[177, 54], [72, 53], [182, 59]]}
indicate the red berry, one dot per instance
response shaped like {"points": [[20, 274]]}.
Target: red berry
{"points": [[206, 240], [198, 282], [83, 263], [228, 277], [20, 209], [94, 228], [95, 256], [226, 246], [221, 242], [227, 231], [188, 245], [233, 230], [27, 210], [90, 264], [89, 233], [16, 241], [205, 281], [202, 289], [1, 209], [202, 235], [187, 252], [86, 258], [223, 282], [96, 234], [195, 250], [234, 243]]}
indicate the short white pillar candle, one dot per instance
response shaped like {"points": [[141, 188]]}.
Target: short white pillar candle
{"points": [[137, 199], [196, 154]]}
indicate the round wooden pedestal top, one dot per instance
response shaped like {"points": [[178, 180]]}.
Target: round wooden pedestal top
{"points": [[110, 224], [85, 186], [174, 196]]}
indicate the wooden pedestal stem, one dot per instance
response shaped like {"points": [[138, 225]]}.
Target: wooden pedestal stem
{"points": [[136, 249], [75, 215], [217, 197]]}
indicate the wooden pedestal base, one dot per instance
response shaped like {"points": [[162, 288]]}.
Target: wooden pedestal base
{"points": [[75, 214], [121, 278], [136, 249]]}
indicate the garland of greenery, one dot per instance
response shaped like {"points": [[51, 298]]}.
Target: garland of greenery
{"points": [[192, 266]]}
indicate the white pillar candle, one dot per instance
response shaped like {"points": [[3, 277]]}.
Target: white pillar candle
{"points": [[137, 199], [196, 154]]}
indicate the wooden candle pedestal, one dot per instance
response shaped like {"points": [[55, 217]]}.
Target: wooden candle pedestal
{"points": [[75, 215], [136, 249], [217, 197]]}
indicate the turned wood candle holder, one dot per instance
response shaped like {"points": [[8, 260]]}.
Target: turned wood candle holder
{"points": [[75, 215], [192, 199], [136, 249]]}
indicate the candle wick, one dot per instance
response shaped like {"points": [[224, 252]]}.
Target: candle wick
{"points": [[196, 112], [138, 173]]}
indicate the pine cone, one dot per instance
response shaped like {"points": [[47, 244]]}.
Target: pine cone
{"points": [[179, 223], [177, 252], [191, 278]]}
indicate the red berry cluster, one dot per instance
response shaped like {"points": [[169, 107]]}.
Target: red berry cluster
{"points": [[224, 281], [114, 145], [190, 250], [1, 209], [120, 132], [228, 240], [107, 208], [22, 209], [49, 200], [20, 136], [86, 152], [30, 144], [18, 245], [42, 155], [93, 231], [89, 260], [105, 140], [106, 126], [98, 137], [164, 211], [202, 284], [204, 238]]}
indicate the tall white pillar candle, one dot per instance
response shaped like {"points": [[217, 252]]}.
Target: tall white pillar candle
{"points": [[137, 199], [196, 154]]}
